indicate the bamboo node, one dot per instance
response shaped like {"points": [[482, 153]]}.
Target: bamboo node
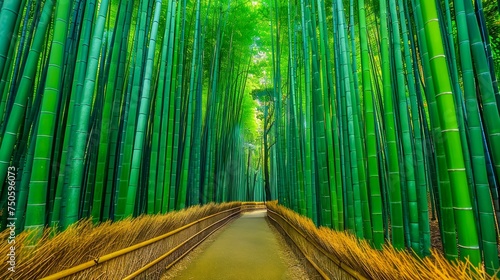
{"points": [[444, 93], [468, 247]]}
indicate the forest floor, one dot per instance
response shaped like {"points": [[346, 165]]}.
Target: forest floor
{"points": [[245, 249]]}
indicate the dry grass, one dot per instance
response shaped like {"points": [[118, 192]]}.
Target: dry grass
{"points": [[185, 262], [384, 264], [83, 241]]}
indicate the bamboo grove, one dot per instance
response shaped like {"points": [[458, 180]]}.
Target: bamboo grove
{"points": [[380, 118], [113, 109], [386, 117]]}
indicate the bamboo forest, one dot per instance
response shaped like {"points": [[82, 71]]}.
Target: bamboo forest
{"points": [[377, 121]]}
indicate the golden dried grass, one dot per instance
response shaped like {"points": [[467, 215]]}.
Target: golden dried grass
{"points": [[84, 241], [381, 264]]}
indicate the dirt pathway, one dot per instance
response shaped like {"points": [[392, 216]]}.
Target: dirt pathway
{"points": [[245, 249]]}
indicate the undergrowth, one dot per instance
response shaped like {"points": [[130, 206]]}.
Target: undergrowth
{"points": [[381, 264], [85, 241]]}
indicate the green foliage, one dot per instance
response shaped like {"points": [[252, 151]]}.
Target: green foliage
{"points": [[401, 137], [357, 114], [141, 107]]}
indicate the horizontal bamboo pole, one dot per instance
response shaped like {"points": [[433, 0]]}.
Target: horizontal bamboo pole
{"points": [[159, 259], [253, 203], [105, 258], [355, 274]]}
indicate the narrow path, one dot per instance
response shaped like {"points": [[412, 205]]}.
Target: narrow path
{"points": [[246, 249]]}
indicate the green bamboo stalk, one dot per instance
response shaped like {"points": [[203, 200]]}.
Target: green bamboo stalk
{"points": [[119, 99], [59, 207], [168, 185], [319, 133], [8, 17], [405, 131], [371, 141], [420, 173], [350, 124], [294, 111], [486, 214], [104, 138], [15, 119], [22, 195], [36, 208], [327, 86], [452, 62], [308, 138], [446, 218], [390, 131], [156, 189], [125, 195], [195, 161], [175, 169], [336, 125], [485, 83], [77, 157], [358, 131], [487, 44], [142, 120], [185, 172], [193, 129], [466, 226]]}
